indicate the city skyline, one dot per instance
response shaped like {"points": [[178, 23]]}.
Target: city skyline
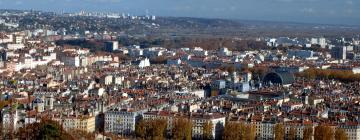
{"points": [[187, 69], [303, 11]]}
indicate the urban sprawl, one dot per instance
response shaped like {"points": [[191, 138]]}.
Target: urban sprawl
{"points": [[293, 88]]}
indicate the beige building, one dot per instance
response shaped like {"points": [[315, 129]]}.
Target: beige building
{"points": [[84, 123], [352, 130]]}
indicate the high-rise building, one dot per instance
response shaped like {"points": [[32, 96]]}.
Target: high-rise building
{"points": [[322, 42], [338, 52], [319, 41], [111, 46]]}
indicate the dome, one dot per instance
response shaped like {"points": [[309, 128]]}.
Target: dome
{"points": [[283, 78], [37, 100]]}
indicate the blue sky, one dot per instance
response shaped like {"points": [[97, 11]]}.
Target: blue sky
{"points": [[311, 11]]}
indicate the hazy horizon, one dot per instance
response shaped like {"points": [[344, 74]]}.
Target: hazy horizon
{"points": [[300, 11]]}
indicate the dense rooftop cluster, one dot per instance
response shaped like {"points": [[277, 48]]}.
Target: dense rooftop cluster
{"points": [[292, 87]]}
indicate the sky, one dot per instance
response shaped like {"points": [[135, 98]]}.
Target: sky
{"points": [[345, 12]]}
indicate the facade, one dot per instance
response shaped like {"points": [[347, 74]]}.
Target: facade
{"points": [[6, 121], [111, 46], [198, 121], [71, 60], [136, 52], [303, 54], [241, 87], [264, 130], [173, 62], [108, 79], [144, 63], [15, 46], [338, 52], [219, 84], [164, 115], [121, 121], [224, 52], [319, 41], [352, 131], [84, 123]]}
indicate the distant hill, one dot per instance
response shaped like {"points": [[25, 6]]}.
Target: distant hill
{"points": [[173, 26]]}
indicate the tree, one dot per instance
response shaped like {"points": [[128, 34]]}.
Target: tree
{"points": [[230, 131], [140, 129], [340, 134], [323, 132], [207, 130], [238, 131], [155, 129], [308, 133], [292, 134], [45, 130], [182, 128], [81, 135], [279, 132], [259, 71], [249, 132]]}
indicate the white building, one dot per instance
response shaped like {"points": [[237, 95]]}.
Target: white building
{"points": [[144, 63], [154, 52], [111, 46], [224, 52], [108, 79], [121, 121], [71, 60], [319, 41], [352, 131], [217, 121], [15, 46], [173, 62], [6, 119], [118, 80], [264, 130], [303, 54], [29, 62], [136, 52], [199, 52]]}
